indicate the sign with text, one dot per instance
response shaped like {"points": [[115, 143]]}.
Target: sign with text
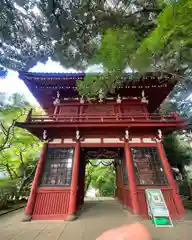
{"points": [[157, 208], [156, 203]]}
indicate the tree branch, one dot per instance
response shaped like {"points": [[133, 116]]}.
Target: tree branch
{"points": [[8, 133], [7, 136], [22, 162], [26, 179], [56, 16]]}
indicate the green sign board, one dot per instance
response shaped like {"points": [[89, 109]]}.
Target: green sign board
{"points": [[157, 208]]}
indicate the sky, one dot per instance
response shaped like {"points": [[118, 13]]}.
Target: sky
{"points": [[11, 83]]}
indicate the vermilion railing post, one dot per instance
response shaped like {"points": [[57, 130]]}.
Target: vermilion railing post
{"points": [[100, 118]]}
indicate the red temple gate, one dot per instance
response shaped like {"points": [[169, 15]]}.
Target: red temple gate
{"points": [[123, 121]]}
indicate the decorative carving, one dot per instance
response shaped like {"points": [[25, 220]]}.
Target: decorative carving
{"points": [[104, 162], [102, 153], [126, 134], [101, 95], [77, 134], [118, 99], [143, 98], [57, 99], [82, 101]]}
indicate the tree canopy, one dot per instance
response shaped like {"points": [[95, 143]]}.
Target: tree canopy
{"points": [[66, 31], [143, 35]]}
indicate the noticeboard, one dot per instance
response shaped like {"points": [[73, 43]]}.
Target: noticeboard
{"points": [[157, 208]]}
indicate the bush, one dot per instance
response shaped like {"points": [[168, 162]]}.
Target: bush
{"points": [[8, 192], [187, 204], [183, 188]]}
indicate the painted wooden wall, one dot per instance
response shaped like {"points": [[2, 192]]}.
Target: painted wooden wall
{"points": [[128, 107]]}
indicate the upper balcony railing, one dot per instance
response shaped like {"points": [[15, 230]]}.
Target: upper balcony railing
{"points": [[98, 118]]}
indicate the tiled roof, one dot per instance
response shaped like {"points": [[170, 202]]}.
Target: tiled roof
{"points": [[136, 75], [50, 75]]}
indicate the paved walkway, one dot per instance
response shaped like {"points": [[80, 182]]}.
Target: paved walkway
{"points": [[96, 217]]}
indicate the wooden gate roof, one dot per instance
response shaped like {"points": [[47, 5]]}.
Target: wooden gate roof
{"points": [[44, 86]]}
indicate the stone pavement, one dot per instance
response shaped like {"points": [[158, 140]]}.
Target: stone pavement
{"points": [[96, 217]]}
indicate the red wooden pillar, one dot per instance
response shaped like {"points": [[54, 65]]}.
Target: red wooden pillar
{"points": [[131, 177], [122, 185], [31, 202], [170, 179], [74, 184], [83, 181], [117, 182]]}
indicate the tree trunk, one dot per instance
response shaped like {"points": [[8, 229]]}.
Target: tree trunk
{"points": [[25, 180], [9, 171]]}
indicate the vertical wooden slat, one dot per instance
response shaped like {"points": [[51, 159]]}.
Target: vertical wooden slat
{"points": [[55, 202]]}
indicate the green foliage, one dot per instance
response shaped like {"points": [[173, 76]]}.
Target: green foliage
{"points": [[64, 31], [88, 175], [103, 179], [116, 50], [178, 153], [8, 191], [169, 44], [19, 150], [187, 204]]}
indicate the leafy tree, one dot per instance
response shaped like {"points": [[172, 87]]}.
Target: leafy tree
{"points": [[32, 31], [178, 153], [19, 149], [168, 46], [103, 179], [114, 54], [13, 109], [88, 176], [144, 35]]}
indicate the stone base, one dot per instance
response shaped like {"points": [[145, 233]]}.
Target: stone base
{"points": [[27, 218], [71, 218]]}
